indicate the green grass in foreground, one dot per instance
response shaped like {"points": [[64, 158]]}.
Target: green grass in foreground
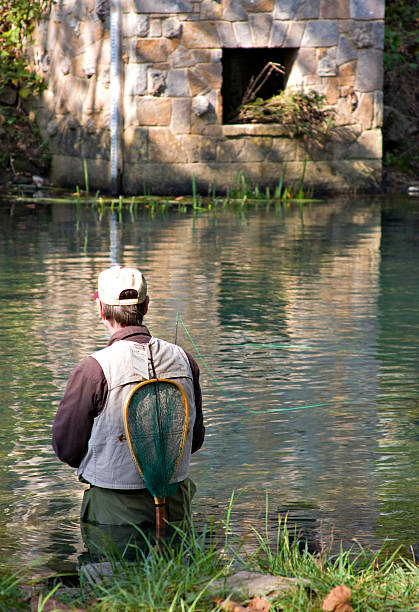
{"points": [[189, 577]]}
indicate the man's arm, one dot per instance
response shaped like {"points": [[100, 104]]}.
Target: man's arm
{"points": [[198, 428], [83, 399]]}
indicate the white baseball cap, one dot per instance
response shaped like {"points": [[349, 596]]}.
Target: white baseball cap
{"points": [[113, 281]]}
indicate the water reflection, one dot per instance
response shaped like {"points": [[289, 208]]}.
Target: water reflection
{"points": [[337, 281]]}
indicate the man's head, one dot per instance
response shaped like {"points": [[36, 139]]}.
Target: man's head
{"points": [[122, 296]]}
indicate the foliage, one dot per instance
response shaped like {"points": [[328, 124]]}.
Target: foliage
{"points": [[21, 147], [401, 36], [17, 22], [302, 114], [401, 83]]}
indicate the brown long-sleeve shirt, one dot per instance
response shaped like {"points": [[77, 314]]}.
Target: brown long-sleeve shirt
{"points": [[85, 397]]}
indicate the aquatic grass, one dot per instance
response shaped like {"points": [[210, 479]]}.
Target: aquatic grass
{"points": [[86, 177]]}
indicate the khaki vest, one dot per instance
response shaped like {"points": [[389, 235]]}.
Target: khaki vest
{"points": [[108, 462]]}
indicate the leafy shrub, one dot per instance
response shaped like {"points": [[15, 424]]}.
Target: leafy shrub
{"points": [[17, 22]]}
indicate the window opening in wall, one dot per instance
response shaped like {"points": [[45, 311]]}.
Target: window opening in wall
{"points": [[240, 66]]}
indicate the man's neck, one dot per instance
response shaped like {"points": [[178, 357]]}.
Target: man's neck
{"points": [[112, 327]]}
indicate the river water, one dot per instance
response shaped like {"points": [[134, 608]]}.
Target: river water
{"points": [[307, 326]]}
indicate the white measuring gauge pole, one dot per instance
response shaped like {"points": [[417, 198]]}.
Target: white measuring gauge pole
{"points": [[115, 119]]}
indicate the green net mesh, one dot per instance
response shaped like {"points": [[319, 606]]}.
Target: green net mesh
{"points": [[156, 424]]}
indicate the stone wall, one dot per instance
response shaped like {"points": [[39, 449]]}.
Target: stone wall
{"points": [[171, 103]]}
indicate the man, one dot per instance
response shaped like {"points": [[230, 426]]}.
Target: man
{"points": [[88, 431]]}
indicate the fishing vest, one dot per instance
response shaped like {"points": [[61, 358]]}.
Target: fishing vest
{"points": [[108, 462]]}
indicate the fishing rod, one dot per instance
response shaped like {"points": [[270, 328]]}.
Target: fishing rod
{"points": [[217, 382]]}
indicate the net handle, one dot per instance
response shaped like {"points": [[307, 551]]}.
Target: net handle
{"points": [[160, 509]]}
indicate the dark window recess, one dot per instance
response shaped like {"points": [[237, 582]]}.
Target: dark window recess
{"points": [[241, 65]]}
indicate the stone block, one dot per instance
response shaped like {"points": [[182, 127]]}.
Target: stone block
{"points": [[308, 9], [226, 35], [346, 51], [260, 26], [181, 116], [331, 91], [315, 150], [294, 35], [282, 150], [156, 29], [313, 83], [362, 36], [200, 35], [278, 33], [135, 144], [163, 6], [135, 25], [208, 124], [172, 28], [377, 120], [321, 33], [343, 114], [72, 95], [369, 74], [285, 9], [151, 51], [334, 9], [67, 170], [253, 129], [200, 105], [326, 67], [243, 34], [197, 83], [378, 34], [363, 113], [347, 74], [135, 79], [181, 57], [153, 111], [211, 74], [177, 83], [234, 11], [164, 146], [245, 149], [156, 81], [129, 109], [258, 6], [214, 55], [95, 145], [367, 9], [306, 61], [368, 146], [211, 10], [199, 148]]}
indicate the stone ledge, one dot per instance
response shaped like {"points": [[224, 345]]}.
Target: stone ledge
{"points": [[254, 129]]}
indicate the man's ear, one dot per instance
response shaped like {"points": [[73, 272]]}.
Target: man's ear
{"points": [[146, 303]]}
